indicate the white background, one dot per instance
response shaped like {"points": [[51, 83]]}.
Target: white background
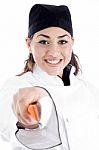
{"points": [[14, 28]]}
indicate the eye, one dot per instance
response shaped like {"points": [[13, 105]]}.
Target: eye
{"points": [[62, 42], [44, 42]]}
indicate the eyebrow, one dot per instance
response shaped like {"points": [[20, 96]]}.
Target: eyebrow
{"points": [[46, 36]]}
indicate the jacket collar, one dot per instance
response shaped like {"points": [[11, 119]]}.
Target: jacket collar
{"points": [[43, 77]]}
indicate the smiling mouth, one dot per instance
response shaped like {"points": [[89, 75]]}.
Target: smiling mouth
{"points": [[53, 62]]}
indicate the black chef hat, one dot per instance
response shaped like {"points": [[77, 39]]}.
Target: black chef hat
{"points": [[42, 16]]}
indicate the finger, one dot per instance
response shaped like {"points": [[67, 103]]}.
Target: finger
{"points": [[14, 103], [24, 116], [25, 122], [22, 120]]}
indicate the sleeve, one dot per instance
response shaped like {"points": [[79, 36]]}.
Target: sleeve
{"points": [[57, 94]]}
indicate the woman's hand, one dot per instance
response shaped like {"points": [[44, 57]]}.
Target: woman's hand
{"points": [[22, 99]]}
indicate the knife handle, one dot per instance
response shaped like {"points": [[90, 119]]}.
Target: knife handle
{"points": [[34, 111]]}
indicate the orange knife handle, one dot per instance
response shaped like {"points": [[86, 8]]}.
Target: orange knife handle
{"points": [[34, 112]]}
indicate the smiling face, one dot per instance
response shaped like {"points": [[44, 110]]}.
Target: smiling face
{"points": [[51, 49]]}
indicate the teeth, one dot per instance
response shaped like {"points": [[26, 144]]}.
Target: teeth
{"points": [[53, 61]]}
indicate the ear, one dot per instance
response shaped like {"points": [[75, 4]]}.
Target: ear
{"points": [[28, 42]]}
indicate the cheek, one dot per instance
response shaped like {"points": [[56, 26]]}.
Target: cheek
{"points": [[37, 52], [68, 53]]}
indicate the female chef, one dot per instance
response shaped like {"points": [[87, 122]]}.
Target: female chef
{"points": [[68, 106]]}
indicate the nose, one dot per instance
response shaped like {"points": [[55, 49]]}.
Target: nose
{"points": [[53, 50]]}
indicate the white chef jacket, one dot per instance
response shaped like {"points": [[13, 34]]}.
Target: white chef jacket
{"points": [[77, 106]]}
